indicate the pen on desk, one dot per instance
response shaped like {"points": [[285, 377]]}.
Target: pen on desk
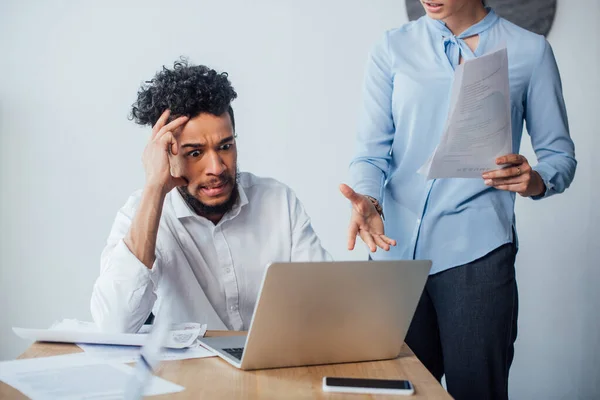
{"points": [[140, 379], [149, 358]]}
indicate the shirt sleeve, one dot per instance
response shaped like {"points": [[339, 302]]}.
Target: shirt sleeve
{"points": [[306, 245], [548, 127], [376, 129], [124, 293]]}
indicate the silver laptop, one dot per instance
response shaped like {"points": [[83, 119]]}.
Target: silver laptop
{"points": [[327, 312]]}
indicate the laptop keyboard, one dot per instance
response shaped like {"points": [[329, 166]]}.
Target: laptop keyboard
{"points": [[236, 352]]}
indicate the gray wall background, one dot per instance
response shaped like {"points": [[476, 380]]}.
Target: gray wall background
{"points": [[69, 158]]}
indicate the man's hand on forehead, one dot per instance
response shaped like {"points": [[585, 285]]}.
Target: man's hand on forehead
{"points": [[163, 169]]}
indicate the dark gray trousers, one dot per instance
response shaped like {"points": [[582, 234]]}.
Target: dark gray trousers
{"points": [[466, 324]]}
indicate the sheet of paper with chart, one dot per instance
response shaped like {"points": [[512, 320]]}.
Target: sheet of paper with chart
{"points": [[478, 129]]}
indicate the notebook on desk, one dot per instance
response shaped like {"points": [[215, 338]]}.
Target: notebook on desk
{"points": [[327, 312]]}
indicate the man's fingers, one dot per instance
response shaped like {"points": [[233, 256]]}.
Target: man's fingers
{"points": [[352, 232], [176, 123], [161, 122], [511, 159], [168, 140], [368, 239], [172, 126]]}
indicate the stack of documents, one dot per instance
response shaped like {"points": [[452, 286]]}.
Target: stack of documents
{"points": [[478, 129], [182, 341], [74, 331], [98, 372]]}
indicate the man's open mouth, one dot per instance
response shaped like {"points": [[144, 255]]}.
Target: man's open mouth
{"points": [[214, 189]]}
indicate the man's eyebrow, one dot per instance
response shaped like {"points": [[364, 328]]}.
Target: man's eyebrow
{"points": [[201, 145], [227, 139]]}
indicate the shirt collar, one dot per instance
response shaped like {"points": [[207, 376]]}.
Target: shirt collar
{"points": [[183, 210], [487, 22]]}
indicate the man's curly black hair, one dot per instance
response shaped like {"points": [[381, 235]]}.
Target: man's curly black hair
{"points": [[187, 90]]}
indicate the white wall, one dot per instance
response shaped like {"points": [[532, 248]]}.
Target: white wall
{"points": [[558, 265], [69, 157]]}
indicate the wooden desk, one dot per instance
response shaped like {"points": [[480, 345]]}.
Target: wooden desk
{"points": [[213, 378]]}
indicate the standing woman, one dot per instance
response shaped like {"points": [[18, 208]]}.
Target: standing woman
{"points": [[466, 322]]}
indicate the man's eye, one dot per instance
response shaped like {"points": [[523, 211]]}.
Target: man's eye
{"points": [[226, 146], [195, 153]]}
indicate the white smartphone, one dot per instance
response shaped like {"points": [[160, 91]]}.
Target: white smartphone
{"points": [[367, 386]]}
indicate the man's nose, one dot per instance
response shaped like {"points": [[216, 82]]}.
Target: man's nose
{"points": [[215, 165]]}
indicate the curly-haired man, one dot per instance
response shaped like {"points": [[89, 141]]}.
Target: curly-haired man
{"points": [[197, 238]]}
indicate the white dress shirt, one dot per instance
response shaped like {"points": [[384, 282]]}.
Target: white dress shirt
{"points": [[208, 273]]}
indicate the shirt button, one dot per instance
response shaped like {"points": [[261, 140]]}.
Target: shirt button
{"points": [[228, 270], [419, 221], [233, 308]]}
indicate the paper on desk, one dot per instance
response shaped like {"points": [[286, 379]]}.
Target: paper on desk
{"points": [[478, 129], [75, 376], [129, 354], [73, 331]]}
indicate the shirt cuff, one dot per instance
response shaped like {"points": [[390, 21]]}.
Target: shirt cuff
{"points": [[367, 180], [547, 173]]}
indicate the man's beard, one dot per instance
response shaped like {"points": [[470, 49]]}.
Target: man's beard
{"points": [[207, 210]]}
